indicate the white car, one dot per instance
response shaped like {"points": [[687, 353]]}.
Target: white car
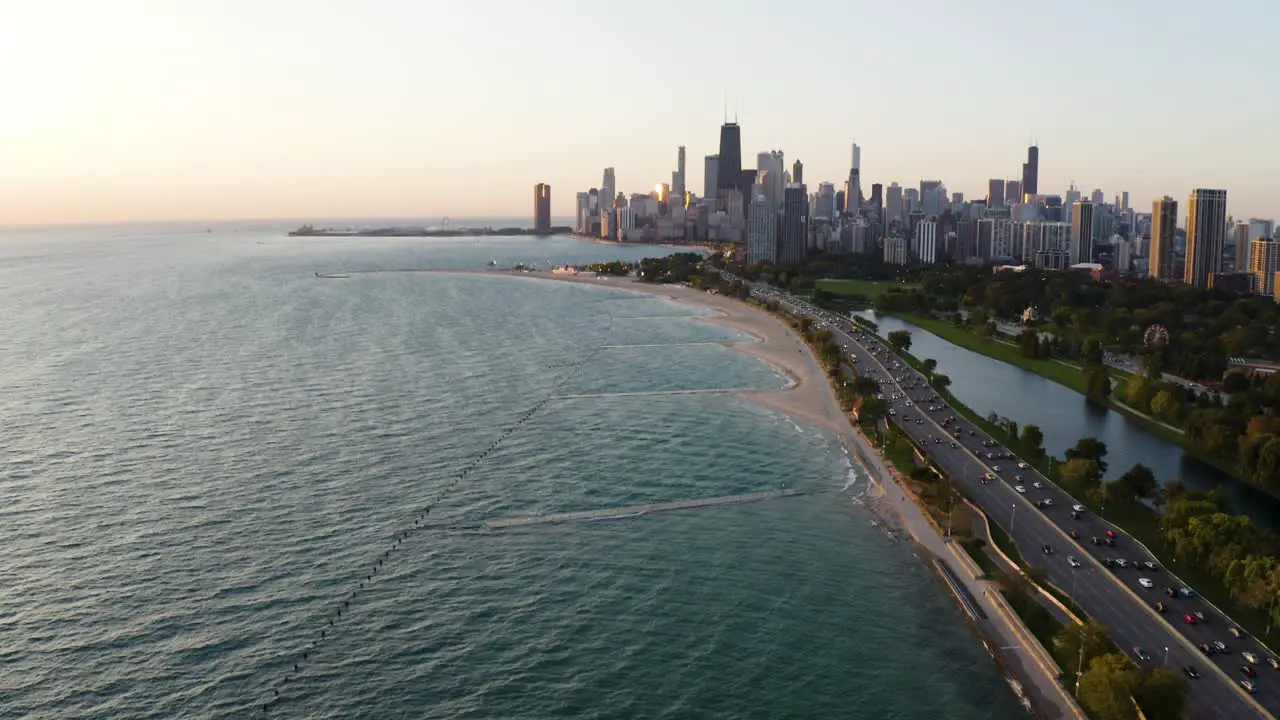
{"points": [[1022, 466], [1078, 508], [1146, 583], [1021, 489], [996, 468], [1072, 561], [1037, 485]]}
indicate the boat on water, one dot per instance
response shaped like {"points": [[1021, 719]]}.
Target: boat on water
{"points": [[493, 263]]}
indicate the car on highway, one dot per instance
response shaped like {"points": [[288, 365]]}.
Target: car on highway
{"points": [[1022, 466], [1160, 607], [1146, 583], [1190, 672], [1249, 658], [1073, 534], [1111, 534], [1189, 619], [1248, 671], [1078, 508], [1022, 490], [1248, 686], [1236, 632], [1047, 549], [1037, 485], [1150, 566], [1186, 592], [1141, 654], [1072, 561]]}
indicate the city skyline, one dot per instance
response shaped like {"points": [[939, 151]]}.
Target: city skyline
{"points": [[198, 111]]}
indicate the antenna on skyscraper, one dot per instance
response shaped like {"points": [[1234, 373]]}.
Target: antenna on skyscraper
{"points": [[735, 111], [726, 105]]}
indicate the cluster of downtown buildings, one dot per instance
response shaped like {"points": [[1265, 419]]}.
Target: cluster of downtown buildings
{"points": [[771, 210]]}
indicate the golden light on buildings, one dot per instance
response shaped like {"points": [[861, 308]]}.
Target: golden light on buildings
{"points": [[658, 190]]}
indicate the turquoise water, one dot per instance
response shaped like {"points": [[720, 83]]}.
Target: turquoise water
{"points": [[208, 449]]}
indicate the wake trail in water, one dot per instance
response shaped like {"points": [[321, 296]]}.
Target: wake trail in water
{"points": [[328, 621]]}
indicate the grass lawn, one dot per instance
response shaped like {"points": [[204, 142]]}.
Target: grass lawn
{"points": [[1068, 375], [870, 289]]}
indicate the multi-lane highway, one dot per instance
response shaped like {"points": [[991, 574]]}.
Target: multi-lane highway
{"points": [[1060, 541]]}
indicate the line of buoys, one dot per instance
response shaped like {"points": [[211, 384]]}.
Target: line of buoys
{"points": [[399, 536]]}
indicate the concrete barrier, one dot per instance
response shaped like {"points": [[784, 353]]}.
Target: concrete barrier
{"points": [[1039, 655]]}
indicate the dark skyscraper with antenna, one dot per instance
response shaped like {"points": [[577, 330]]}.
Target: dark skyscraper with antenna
{"points": [[1031, 172], [730, 169]]}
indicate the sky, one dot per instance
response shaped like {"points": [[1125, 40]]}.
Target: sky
{"points": [[137, 110]]}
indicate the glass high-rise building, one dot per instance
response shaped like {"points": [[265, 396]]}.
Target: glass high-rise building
{"points": [[542, 209], [1031, 172], [1206, 235], [730, 157], [1164, 222]]}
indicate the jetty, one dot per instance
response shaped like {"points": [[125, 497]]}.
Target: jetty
{"points": [[628, 511]]}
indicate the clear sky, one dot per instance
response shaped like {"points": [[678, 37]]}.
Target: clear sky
{"points": [[224, 109]]}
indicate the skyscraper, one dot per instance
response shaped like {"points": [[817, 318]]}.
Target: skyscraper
{"points": [[1031, 172], [710, 176], [1206, 235], [793, 236], [797, 173], [1164, 220], [677, 186], [892, 203], [730, 169], [1012, 192], [1264, 259], [1097, 198], [1082, 232], [1240, 238], [608, 189], [542, 209], [762, 230], [771, 162], [995, 192]]}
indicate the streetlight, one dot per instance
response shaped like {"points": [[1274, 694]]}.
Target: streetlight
{"points": [[1012, 514], [1166, 656]]}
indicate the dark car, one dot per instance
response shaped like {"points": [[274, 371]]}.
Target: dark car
{"points": [[1206, 648], [1171, 592], [1095, 540], [1048, 549], [1073, 534], [1191, 672], [1248, 671], [1160, 608]]}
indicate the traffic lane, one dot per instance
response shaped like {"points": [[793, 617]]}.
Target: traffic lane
{"points": [[1090, 526], [1128, 625], [1098, 594]]}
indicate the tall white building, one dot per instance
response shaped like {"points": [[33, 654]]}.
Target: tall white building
{"points": [[1264, 263], [1261, 228], [857, 158], [710, 176], [1123, 254], [771, 162], [762, 230], [895, 250], [926, 245]]}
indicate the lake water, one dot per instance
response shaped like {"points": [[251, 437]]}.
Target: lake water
{"points": [[208, 449]]}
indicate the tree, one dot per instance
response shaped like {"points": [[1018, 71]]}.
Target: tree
{"points": [[900, 340], [1033, 438], [1162, 693], [941, 382], [1091, 636], [1090, 448], [1029, 342], [929, 365], [1165, 406], [1137, 481], [1097, 384], [1091, 351], [1079, 473], [864, 385], [1107, 687], [805, 324]]}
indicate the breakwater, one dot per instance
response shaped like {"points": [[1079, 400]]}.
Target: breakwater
{"points": [[627, 511]]}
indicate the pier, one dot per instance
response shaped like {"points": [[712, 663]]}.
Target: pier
{"points": [[627, 511]]}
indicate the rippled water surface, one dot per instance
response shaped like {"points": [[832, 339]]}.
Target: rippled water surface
{"points": [[207, 449]]}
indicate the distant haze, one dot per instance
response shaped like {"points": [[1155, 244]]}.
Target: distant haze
{"points": [[192, 109]]}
